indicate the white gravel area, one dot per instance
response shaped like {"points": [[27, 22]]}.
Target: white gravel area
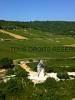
{"points": [[40, 79]]}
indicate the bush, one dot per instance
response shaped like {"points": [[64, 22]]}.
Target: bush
{"points": [[13, 87], [19, 72], [6, 63], [63, 75], [2, 96], [49, 69], [10, 72], [30, 60]]}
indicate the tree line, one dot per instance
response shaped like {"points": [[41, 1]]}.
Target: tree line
{"points": [[54, 27]]}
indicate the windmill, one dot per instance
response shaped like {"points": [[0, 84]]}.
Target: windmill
{"points": [[40, 69]]}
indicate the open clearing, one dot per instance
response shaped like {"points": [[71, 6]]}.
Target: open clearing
{"points": [[34, 75], [13, 35]]}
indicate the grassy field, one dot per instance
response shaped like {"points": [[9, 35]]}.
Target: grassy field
{"points": [[40, 40], [40, 45], [31, 33], [53, 45], [5, 36]]}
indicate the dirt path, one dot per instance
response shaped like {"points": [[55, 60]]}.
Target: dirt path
{"points": [[2, 72], [27, 68], [13, 35]]}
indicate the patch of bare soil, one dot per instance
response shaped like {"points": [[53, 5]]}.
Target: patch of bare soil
{"points": [[2, 72]]}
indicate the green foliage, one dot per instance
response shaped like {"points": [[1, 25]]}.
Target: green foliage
{"points": [[39, 34], [33, 65], [9, 71], [2, 96], [50, 83], [6, 63], [60, 65], [55, 27], [49, 90], [19, 72], [5, 36], [2, 89], [62, 75], [13, 87]]}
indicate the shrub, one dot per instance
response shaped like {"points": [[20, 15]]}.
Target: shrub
{"points": [[2, 96], [13, 87], [19, 72], [6, 63], [10, 71], [30, 60], [63, 75], [49, 69]]}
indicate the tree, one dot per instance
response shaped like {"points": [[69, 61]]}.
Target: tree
{"points": [[2, 96], [2, 93], [10, 71], [19, 72], [0, 27], [63, 75], [13, 88], [6, 63]]}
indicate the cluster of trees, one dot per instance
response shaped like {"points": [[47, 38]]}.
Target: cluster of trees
{"points": [[49, 90], [15, 87], [55, 27], [6, 63], [21, 88]]}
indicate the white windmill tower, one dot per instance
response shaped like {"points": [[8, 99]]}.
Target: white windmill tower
{"points": [[40, 69]]}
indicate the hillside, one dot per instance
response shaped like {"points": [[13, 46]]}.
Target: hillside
{"points": [[55, 27], [50, 41]]}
